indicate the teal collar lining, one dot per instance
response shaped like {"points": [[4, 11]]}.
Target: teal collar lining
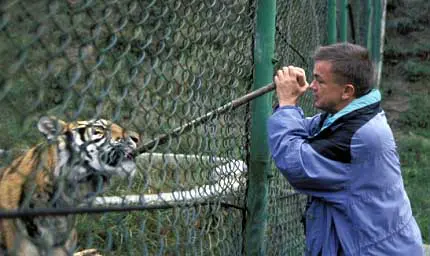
{"points": [[366, 100]]}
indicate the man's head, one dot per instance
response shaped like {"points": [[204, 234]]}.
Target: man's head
{"points": [[342, 72]]}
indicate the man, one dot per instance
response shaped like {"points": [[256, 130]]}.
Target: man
{"points": [[345, 158]]}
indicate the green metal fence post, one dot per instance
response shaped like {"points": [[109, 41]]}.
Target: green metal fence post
{"points": [[259, 164], [331, 26], [369, 26], [344, 21]]}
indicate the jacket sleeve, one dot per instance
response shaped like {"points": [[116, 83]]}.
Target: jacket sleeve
{"points": [[305, 169]]}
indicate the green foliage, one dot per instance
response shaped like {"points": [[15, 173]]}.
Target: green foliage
{"points": [[407, 75], [405, 25], [416, 70], [415, 158], [396, 50], [416, 117]]}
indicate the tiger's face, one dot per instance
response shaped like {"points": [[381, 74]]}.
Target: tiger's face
{"points": [[106, 147], [71, 168], [92, 149]]}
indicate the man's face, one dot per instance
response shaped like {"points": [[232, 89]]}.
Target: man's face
{"points": [[327, 94]]}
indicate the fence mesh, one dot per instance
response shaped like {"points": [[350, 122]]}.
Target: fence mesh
{"points": [[149, 66], [300, 28]]}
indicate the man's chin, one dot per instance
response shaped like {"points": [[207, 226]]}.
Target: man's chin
{"points": [[316, 105], [319, 106]]}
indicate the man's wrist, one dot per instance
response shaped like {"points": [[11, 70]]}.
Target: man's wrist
{"points": [[287, 103]]}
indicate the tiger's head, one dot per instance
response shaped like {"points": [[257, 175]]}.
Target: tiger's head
{"points": [[91, 150], [69, 169]]}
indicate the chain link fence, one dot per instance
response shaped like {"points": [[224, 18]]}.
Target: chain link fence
{"points": [[151, 67]]}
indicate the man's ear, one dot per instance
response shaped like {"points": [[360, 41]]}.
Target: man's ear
{"points": [[348, 92], [50, 127]]}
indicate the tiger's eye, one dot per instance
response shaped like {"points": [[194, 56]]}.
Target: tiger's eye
{"points": [[98, 132]]}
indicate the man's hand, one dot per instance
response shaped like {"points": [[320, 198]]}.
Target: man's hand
{"points": [[290, 85]]}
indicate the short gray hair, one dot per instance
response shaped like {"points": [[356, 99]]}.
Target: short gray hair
{"points": [[351, 64]]}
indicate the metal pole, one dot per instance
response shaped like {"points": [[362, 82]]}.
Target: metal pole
{"points": [[369, 26], [378, 36], [344, 21], [331, 23], [166, 137], [261, 108]]}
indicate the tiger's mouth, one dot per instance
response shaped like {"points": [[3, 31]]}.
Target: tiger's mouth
{"points": [[94, 176], [116, 156], [100, 167]]}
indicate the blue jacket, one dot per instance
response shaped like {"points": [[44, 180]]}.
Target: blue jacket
{"points": [[349, 165]]}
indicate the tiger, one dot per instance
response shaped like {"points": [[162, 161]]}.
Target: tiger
{"points": [[73, 165]]}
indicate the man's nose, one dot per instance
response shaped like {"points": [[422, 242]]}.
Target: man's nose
{"points": [[313, 86]]}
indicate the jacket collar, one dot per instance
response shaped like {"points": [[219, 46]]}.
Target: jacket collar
{"points": [[366, 100]]}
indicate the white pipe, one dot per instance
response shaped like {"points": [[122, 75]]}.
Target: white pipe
{"points": [[228, 178]]}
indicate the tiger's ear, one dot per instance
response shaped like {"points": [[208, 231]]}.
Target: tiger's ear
{"points": [[51, 127]]}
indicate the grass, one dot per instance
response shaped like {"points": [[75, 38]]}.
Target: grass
{"points": [[417, 118], [416, 70], [407, 69], [175, 230], [414, 150], [415, 158], [199, 229]]}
